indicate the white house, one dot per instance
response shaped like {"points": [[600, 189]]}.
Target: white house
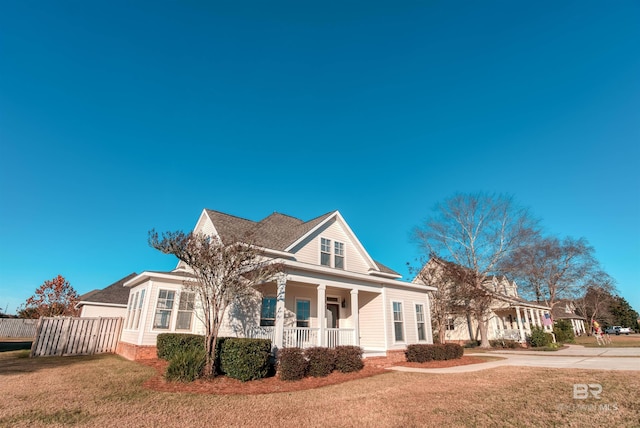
{"points": [[331, 292], [111, 301], [510, 316]]}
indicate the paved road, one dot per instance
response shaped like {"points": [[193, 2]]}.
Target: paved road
{"points": [[574, 357]]}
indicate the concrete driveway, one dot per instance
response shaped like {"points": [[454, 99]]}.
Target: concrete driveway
{"points": [[573, 357]]}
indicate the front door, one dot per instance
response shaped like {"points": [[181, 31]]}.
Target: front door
{"points": [[333, 315]]}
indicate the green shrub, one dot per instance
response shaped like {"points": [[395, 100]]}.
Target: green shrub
{"points": [[539, 338], [422, 353], [348, 359], [168, 344], [504, 343], [245, 359], [185, 365], [321, 361], [563, 331], [292, 365]]}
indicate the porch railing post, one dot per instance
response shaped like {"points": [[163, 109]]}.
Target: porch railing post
{"points": [[520, 328], [322, 307], [279, 333], [355, 309]]}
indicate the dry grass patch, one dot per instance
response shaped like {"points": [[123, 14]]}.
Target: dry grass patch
{"points": [[622, 341], [108, 391]]}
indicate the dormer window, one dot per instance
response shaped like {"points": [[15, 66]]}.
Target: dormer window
{"points": [[329, 251]]}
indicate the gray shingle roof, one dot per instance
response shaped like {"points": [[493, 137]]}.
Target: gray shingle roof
{"points": [[115, 293]]}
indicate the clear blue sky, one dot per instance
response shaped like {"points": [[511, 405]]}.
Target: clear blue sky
{"points": [[117, 117]]}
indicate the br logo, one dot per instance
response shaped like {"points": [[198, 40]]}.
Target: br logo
{"points": [[581, 390]]}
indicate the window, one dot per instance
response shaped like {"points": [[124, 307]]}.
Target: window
{"points": [[339, 255], [397, 321], [302, 313], [268, 313], [129, 313], [422, 335], [133, 310], [450, 325], [138, 310], [185, 310], [325, 252], [163, 309]]}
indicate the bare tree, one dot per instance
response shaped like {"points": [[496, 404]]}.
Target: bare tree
{"points": [[550, 269], [596, 303], [476, 232], [222, 274]]}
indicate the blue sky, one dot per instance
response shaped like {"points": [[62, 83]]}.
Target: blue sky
{"points": [[118, 117]]}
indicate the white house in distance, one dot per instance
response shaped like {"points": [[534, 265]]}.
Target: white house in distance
{"points": [[511, 317], [332, 292], [111, 301]]}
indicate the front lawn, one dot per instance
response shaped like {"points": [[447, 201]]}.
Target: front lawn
{"points": [[622, 341], [108, 391]]}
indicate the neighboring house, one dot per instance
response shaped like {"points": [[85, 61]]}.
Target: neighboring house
{"points": [[566, 310], [333, 292], [108, 302], [511, 317]]}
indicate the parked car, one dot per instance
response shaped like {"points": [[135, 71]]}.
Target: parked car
{"points": [[617, 330]]}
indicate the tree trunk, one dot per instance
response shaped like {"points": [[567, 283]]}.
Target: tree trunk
{"points": [[484, 332]]}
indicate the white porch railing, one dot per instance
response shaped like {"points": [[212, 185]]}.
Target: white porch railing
{"points": [[339, 337], [302, 337], [509, 334]]}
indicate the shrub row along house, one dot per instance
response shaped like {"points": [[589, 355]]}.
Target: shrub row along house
{"points": [[332, 291]]}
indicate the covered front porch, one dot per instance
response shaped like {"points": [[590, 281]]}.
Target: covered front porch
{"points": [[516, 322], [300, 314]]}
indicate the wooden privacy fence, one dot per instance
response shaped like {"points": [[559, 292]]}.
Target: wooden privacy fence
{"points": [[17, 327], [76, 336]]}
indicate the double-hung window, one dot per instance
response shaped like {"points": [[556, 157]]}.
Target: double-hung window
{"points": [[164, 307], [422, 334], [339, 255], [303, 312], [450, 325], [138, 309], [130, 311], [398, 326], [325, 252], [185, 310], [268, 312]]}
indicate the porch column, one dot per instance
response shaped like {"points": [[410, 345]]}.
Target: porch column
{"points": [[279, 333], [356, 317], [527, 323], [533, 318], [538, 318], [322, 308], [519, 320], [584, 330]]}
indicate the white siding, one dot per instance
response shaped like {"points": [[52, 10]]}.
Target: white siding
{"points": [[308, 251], [408, 298], [371, 321], [94, 311]]}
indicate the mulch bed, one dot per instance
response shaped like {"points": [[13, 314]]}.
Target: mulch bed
{"points": [[222, 385]]}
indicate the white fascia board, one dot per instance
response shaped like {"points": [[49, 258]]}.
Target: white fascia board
{"points": [[303, 237], [87, 302], [385, 274], [146, 275], [328, 271]]}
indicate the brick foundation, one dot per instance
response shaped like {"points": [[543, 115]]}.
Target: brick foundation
{"points": [[135, 352]]}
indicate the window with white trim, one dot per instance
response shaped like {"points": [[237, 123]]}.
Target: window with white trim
{"points": [[129, 309], [338, 255], [398, 324], [164, 307], [422, 332], [325, 252], [185, 310], [450, 324], [138, 309], [268, 312], [303, 313]]}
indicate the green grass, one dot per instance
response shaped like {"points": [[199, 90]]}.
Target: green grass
{"points": [[622, 341]]}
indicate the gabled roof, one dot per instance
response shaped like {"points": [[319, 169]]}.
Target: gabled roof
{"points": [[114, 294], [276, 232], [559, 310]]}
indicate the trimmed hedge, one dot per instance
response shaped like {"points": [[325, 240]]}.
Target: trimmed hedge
{"points": [[321, 361], [564, 331], [539, 338], [169, 344], [348, 359], [292, 364], [504, 343], [422, 353], [245, 359], [185, 365]]}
